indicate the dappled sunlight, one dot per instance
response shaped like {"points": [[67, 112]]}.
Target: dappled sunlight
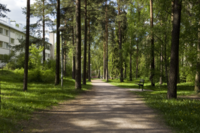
{"points": [[104, 109]]}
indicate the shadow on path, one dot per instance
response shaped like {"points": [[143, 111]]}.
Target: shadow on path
{"points": [[104, 109]]}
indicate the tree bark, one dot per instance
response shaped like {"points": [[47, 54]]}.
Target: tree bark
{"points": [[106, 35], [172, 87], [130, 61], [85, 46], [65, 60], [57, 77], [120, 45], [78, 45], [152, 44], [27, 47], [197, 77], [43, 31], [89, 77], [161, 65], [73, 60], [137, 61]]}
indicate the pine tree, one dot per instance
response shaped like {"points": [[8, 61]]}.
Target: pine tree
{"points": [[27, 47], [3, 9]]}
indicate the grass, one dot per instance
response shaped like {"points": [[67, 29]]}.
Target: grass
{"points": [[181, 114], [18, 105]]}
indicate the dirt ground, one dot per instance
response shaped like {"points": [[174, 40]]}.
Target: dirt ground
{"points": [[104, 109]]}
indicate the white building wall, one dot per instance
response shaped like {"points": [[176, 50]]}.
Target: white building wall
{"points": [[11, 37]]}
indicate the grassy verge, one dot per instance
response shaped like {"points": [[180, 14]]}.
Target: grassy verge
{"points": [[181, 114], [18, 105]]}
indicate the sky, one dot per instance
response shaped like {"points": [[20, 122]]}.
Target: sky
{"points": [[16, 10], [15, 13]]}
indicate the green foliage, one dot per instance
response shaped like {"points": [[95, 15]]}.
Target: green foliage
{"points": [[35, 56], [18, 105], [181, 114]]}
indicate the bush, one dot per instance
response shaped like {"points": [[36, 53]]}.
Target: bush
{"points": [[36, 75]]}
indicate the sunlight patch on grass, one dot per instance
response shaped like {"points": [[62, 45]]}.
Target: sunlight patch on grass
{"points": [[18, 105]]}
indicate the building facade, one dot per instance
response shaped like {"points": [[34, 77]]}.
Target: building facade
{"points": [[10, 32]]}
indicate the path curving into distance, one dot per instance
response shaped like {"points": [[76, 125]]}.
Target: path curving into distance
{"points": [[104, 109]]}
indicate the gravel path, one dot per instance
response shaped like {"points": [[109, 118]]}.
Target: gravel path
{"points": [[104, 109]]}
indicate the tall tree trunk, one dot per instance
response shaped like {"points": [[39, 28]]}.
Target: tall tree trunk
{"points": [[85, 46], [104, 59], [78, 45], [152, 44], [27, 46], [172, 87], [137, 61], [89, 77], [73, 60], [197, 77], [120, 45], [57, 78], [130, 61], [161, 65], [166, 62], [65, 59], [125, 71], [43, 30], [106, 35]]}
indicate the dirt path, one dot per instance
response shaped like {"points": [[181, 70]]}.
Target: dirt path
{"points": [[105, 109]]}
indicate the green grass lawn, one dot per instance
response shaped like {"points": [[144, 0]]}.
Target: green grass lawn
{"points": [[18, 105], [181, 114]]}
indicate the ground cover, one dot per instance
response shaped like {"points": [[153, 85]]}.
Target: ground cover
{"points": [[181, 114], [18, 105]]}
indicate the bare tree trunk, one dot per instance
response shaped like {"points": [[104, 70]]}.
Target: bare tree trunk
{"points": [[104, 60], [137, 62], [120, 45], [106, 35], [161, 65], [43, 25], [27, 46], [172, 87], [73, 60], [85, 46], [57, 78], [65, 59], [130, 61], [152, 45], [89, 79], [197, 77], [78, 45]]}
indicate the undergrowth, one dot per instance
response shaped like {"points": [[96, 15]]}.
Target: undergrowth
{"points": [[181, 114], [18, 105]]}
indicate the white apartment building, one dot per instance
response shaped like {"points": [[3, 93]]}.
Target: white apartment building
{"points": [[11, 31]]}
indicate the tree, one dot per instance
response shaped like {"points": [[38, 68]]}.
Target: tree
{"points": [[27, 47], [85, 46], [3, 9], [120, 43], [78, 45], [57, 78], [152, 44], [172, 87]]}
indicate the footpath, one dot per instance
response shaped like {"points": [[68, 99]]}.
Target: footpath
{"points": [[104, 109]]}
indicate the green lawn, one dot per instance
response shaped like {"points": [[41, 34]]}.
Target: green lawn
{"points": [[18, 105], [181, 114]]}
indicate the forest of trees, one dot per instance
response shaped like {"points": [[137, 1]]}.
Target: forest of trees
{"points": [[155, 40]]}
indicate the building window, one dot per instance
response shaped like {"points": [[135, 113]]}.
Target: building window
{"points": [[1, 57], [1, 44], [5, 45], [1, 30], [6, 32], [12, 40]]}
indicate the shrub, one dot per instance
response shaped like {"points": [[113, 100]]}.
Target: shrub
{"points": [[36, 75]]}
